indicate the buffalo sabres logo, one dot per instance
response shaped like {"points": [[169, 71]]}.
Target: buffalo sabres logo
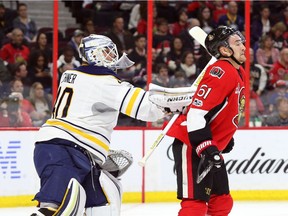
{"points": [[217, 72]]}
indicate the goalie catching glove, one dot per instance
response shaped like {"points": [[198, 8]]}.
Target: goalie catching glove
{"points": [[117, 162], [170, 99], [211, 154]]}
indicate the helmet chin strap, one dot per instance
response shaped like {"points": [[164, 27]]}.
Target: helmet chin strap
{"points": [[232, 56]]}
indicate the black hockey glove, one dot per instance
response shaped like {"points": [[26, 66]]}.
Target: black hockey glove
{"points": [[209, 151], [229, 147]]}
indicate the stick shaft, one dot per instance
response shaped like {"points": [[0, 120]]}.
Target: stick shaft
{"points": [[149, 152], [199, 35]]}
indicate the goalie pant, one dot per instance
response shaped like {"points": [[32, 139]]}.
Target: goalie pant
{"points": [[71, 161]]}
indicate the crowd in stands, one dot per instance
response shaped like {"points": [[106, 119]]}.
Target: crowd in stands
{"points": [[26, 52]]}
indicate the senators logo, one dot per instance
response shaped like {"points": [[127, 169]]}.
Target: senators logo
{"points": [[241, 104], [217, 72]]}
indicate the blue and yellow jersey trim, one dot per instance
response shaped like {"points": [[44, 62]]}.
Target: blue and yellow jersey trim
{"points": [[132, 101], [80, 131]]}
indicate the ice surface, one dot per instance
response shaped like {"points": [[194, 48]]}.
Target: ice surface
{"points": [[240, 208]]}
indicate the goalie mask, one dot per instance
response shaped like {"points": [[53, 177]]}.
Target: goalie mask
{"points": [[219, 37], [100, 50]]}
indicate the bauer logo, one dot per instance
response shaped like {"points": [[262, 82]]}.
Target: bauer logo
{"points": [[8, 160]]}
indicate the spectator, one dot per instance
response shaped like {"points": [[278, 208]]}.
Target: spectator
{"points": [[88, 27], [122, 38], [11, 114], [279, 70], [142, 24], [5, 77], [203, 60], [88, 4], [279, 91], [25, 23], [256, 119], [134, 17], [42, 45], [280, 116], [162, 37], [277, 32], [75, 42], [181, 24], [178, 80], [138, 54], [25, 105], [39, 71], [218, 10], [175, 54], [166, 11], [206, 20], [193, 7], [261, 25], [162, 77], [19, 72], [42, 103], [6, 17], [232, 18], [256, 97], [66, 61], [15, 51], [259, 75], [284, 18], [266, 54], [188, 41], [188, 66]]}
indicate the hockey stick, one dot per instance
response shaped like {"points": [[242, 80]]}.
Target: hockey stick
{"points": [[142, 162], [201, 176], [199, 35]]}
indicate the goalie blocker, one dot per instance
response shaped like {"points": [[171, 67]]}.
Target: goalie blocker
{"points": [[170, 99]]}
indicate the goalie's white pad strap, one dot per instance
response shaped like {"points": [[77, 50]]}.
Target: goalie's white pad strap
{"points": [[74, 200], [113, 191]]}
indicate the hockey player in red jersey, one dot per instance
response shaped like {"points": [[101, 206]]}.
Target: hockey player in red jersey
{"points": [[207, 130]]}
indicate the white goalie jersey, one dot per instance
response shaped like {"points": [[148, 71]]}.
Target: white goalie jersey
{"points": [[87, 106]]}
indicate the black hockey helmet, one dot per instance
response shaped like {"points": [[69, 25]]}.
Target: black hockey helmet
{"points": [[219, 37]]}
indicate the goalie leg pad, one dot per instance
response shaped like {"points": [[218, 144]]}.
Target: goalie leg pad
{"points": [[74, 200], [99, 210], [112, 188]]}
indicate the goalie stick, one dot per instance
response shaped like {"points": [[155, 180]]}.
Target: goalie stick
{"points": [[199, 35]]}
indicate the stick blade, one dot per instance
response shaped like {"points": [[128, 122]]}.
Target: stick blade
{"points": [[198, 34]]}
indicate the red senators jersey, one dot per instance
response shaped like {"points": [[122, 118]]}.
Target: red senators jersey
{"points": [[216, 107]]}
